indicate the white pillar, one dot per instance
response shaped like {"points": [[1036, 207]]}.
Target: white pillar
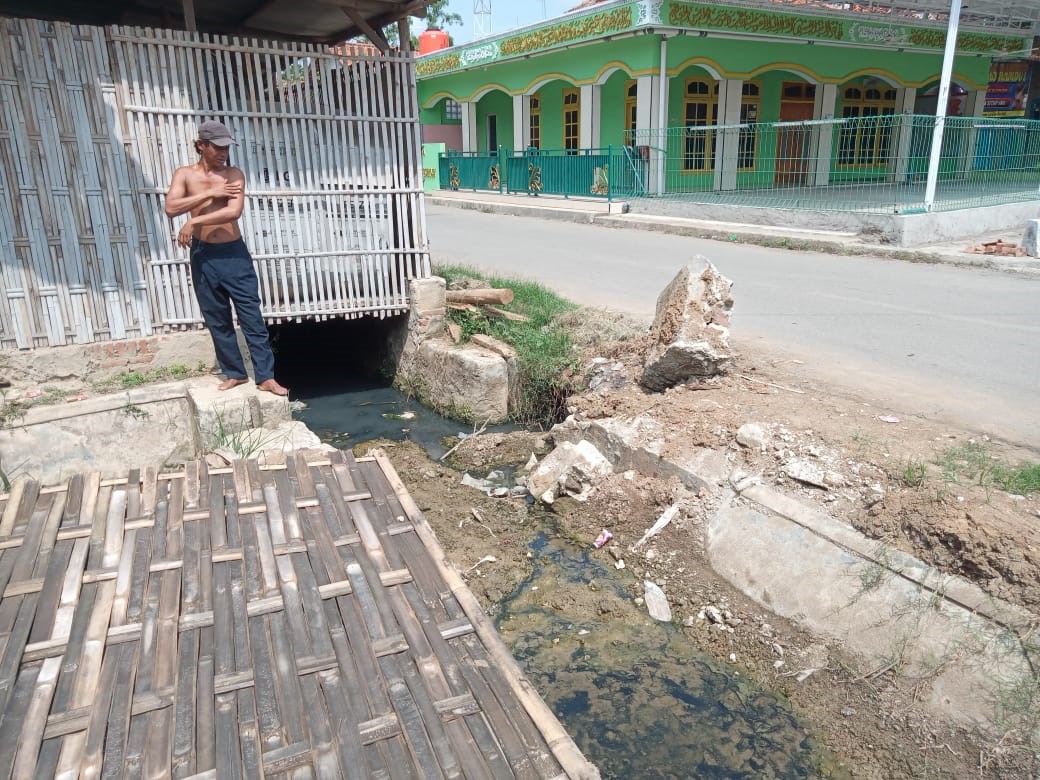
{"points": [[469, 126], [727, 142], [974, 105], [521, 123], [824, 108], [659, 159], [646, 109], [591, 106], [906, 98], [648, 135]]}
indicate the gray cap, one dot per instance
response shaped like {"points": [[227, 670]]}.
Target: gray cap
{"points": [[214, 132]]}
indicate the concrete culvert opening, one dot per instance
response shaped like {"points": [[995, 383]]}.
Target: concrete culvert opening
{"points": [[342, 372], [319, 357]]}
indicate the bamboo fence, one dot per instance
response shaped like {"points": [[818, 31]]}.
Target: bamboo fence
{"points": [[93, 123]]}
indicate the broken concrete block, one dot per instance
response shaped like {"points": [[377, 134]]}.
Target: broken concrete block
{"points": [[469, 383], [1031, 242], [571, 469], [806, 472], [690, 334], [754, 436]]}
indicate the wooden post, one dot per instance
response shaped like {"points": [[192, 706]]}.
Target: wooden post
{"points": [[188, 6]]}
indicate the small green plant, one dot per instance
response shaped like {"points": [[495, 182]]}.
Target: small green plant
{"points": [[974, 462], [242, 440], [131, 379], [1022, 480], [913, 474], [130, 409]]}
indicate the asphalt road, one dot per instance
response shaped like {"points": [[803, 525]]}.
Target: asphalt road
{"points": [[945, 342]]}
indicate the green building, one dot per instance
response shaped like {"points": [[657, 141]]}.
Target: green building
{"points": [[700, 94]]}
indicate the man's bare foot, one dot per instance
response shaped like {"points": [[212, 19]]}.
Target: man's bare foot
{"points": [[227, 384], [272, 386]]}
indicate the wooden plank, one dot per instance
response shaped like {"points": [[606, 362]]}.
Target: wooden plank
{"points": [[15, 713], [182, 763], [563, 748]]}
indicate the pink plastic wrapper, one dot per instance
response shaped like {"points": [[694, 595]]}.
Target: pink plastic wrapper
{"points": [[604, 537]]}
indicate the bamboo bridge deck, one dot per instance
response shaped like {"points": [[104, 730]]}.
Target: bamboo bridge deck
{"points": [[297, 621]]}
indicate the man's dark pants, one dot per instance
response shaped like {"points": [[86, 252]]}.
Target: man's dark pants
{"points": [[223, 274]]}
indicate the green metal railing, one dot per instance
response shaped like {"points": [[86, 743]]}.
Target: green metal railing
{"points": [[607, 172], [875, 164]]}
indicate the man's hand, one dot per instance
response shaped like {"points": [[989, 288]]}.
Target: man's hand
{"points": [[226, 189], [185, 235]]}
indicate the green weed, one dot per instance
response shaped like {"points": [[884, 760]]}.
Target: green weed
{"points": [[242, 440], [131, 379], [913, 474], [975, 463], [131, 409]]}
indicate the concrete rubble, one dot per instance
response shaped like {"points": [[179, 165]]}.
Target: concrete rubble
{"points": [[690, 333], [570, 469]]}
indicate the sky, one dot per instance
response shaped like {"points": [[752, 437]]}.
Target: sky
{"points": [[505, 15]]}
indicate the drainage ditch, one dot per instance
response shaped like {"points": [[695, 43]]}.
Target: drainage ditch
{"points": [[633, 693]]}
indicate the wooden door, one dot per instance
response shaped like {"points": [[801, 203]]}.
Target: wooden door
{"points": [[793, 144]]}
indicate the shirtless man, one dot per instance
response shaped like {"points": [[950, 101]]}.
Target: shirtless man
{"points": [[221, 266]]}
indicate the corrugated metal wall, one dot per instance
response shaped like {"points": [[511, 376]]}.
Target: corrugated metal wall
{"points": [[94, 121]]}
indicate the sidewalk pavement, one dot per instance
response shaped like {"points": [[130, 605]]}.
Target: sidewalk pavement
{"points": [[600, 212]]}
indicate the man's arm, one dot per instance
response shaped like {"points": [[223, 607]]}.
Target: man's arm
{"points": [[179, 201], [235, 192]]}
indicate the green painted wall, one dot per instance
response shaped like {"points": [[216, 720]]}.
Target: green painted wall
{"points": [[612, 111], [584, 65], [729, 58], [745, 59], [501, 106], [733, 19]]}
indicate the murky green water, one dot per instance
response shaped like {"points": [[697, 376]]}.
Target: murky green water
{"points": [[365, 412], [634, 696]]}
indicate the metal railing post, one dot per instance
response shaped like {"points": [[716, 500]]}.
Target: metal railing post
{"points": [[501, 170], [610, 183]]}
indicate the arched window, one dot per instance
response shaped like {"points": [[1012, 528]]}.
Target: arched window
{"points": [[700, 109], [631, 109], [535, 125], [866, 135], [571, 119]]}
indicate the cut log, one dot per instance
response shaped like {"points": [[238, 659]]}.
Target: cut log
{"points": [[506, 315], [489, 295]]}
